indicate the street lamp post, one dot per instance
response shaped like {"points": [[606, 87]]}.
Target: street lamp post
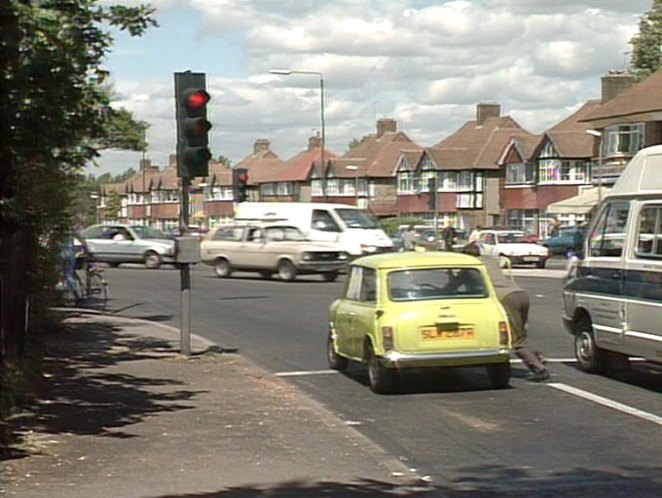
{"points": [[596, 133], [287, 72], [352, 167]]}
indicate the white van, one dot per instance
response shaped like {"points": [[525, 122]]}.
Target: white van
{"points": [[356, 231], [613, 293]]}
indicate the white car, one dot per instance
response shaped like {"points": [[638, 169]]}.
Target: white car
{"points": [[512, 248]]}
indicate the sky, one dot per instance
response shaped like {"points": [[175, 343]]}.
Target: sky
{"points": [[424, 63]]}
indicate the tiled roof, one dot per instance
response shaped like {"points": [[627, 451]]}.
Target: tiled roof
{"points": [[525, 145], [378, 156], [263, 166], [569, 136], [645, 96], [476, 146], [299, 167], [219, 174]]}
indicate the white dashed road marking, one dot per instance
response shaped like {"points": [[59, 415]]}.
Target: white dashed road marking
{"points": [[615, 405], [301, 373]]}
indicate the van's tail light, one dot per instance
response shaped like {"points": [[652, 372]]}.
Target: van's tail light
{"points": [[504, 335], [387, 337]]}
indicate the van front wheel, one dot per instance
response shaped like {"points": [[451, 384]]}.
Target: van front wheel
{"points": [[590, 358]]}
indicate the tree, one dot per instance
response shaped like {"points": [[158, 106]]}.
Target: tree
{"points": [[56, 115], [114, 205], [647, 44], [358, 141], [224, 161]]}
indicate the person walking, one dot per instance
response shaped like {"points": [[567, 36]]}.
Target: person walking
{"points": [[475, 234], [410, 238], [515, 302], [449, 236]]}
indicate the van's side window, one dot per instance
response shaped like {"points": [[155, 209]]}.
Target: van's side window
{"points": [[323, 221], [649, 232], [608, 235]]}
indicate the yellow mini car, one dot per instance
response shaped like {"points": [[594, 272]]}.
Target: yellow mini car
{"points": [[418, 309]]}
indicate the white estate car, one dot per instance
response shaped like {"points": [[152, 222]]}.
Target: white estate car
{"points": [[510, 247]]}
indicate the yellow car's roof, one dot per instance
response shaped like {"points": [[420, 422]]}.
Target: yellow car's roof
{"points": [[411, 259]]}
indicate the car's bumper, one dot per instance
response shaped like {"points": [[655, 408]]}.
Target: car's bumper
{"points": [[395, 359], [321, 267], [527, 260]]}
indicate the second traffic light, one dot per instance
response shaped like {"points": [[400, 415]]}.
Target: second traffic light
{"points": [[240, 184], [192, 125]]}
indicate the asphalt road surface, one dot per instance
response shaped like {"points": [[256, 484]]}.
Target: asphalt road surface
{"points": [[578, 435]]}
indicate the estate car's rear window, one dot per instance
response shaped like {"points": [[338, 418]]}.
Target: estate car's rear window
{"points": [[436, 283]]}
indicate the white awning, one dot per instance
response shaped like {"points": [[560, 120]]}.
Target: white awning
{"points": [[582, 203]]}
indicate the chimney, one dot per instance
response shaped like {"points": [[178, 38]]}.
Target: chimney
{"points": [[615, 83], [145, 164], [486, 111], [314, 142], [386, 126], [261, 144], [172, 160], [153, 169]]}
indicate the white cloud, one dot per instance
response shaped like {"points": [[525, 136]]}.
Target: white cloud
{"points": [[426, 64]]}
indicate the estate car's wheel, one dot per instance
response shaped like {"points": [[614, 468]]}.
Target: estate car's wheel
{"points": [[590, 358], [222, 268], [266, 274], [330, 276], [383, 380], [336, 362], [541, 263], [286, 270], [152, 260], [113, 265], [499, 374]]}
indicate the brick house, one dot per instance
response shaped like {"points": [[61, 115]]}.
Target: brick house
{"points": [[365, 175], [466, 170]]}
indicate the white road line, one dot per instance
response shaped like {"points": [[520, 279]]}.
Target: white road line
{"points": [[301, 373], [607, 402]]}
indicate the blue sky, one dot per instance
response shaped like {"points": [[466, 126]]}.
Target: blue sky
{"points": [[426, 64]]}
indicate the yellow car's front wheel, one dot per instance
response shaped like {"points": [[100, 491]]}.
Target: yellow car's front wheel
{"points": [[336, 362]]}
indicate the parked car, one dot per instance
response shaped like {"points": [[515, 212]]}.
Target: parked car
{"points": [[116, 244], [569, 240], [511, 247], [269, 249], [418, 309]]}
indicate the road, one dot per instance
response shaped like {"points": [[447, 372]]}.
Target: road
{"points": [[579, 435]]}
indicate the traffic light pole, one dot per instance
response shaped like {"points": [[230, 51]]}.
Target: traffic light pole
{"points": [[185, 276]]}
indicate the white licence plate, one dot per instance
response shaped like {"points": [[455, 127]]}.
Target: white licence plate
{"points": [[530, 258]]}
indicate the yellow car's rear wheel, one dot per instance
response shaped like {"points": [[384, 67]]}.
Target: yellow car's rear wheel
{"points": [[383, 380], [499, 374]]}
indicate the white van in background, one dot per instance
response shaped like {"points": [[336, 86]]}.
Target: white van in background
{"points": [[358, 233]]}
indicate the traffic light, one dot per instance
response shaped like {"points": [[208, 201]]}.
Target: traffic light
{"points": [[432, 195], [192, 125], [240, 184]]}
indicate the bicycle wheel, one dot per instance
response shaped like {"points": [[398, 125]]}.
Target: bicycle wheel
{"points": [[98, 289]]}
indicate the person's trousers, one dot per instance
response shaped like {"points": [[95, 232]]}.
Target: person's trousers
{"points": [[517, 305]]}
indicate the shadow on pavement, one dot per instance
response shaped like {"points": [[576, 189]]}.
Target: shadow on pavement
{"points": [[495, 482], [79, 394]]}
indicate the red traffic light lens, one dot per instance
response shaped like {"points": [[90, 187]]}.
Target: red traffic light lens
{"points": [[197, 99], [243, 178]]}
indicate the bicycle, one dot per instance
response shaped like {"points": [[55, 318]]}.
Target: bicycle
{"points": [[94, 285]]}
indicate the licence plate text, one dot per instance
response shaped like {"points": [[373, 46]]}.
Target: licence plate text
{"points": [[460, 333]]}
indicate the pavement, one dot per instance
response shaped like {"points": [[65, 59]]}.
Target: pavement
{"points": [[120, 413]]}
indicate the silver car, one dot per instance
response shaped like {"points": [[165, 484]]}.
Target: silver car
{"points": [[116, 244]]}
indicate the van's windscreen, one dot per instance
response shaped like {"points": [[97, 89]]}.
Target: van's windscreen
{"points": [[354, 218]]}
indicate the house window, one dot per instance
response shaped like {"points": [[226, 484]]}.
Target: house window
{"points": [[519, 173], [623, 139], [558, 171], [465, 181], [284, 188], [448, 181], [316, 187], [424, 185], [332, 186], [406, 182], [523, 219]]}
